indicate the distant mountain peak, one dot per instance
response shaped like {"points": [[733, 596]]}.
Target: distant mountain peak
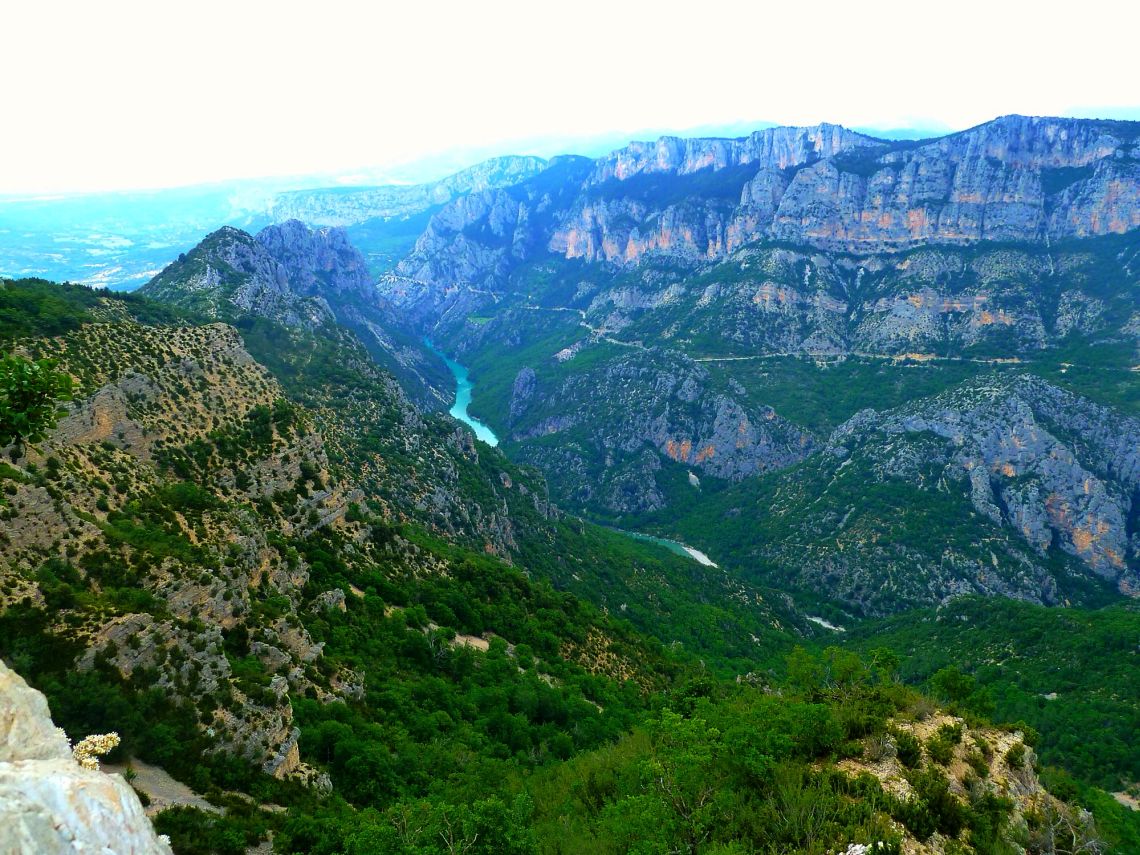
{"points": [[285, 273]]}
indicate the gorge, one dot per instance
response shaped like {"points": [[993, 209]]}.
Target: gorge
{"points": [[801, 458]]}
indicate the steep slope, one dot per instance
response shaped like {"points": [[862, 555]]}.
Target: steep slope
{"points": [[298, 277], [638, 414], [230, 272], [1017, 178], [185, 537], [1002, 485], [143, 518], [197, 558]]}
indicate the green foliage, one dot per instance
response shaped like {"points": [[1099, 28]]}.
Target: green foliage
{"points": [[934, 807], [30, 394], [195, 832], [909, 748], [737, 772], [1005, 659], [951, 685], [536, 744], [36, 307], [940, 749], [1015, 757]]}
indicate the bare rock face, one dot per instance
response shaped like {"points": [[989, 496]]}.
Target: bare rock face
{"points": [[48, 803], [638, 413], [341, 207], [319, 263], [481, 237], [1017, 178], [227, 273], [780, 148], [1061, 471]]}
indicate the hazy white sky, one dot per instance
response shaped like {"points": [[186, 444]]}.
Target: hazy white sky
{"points": [[110, 94]]}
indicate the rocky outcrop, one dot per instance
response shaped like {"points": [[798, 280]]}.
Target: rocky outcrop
{"points": [[319, 263], [288, 273], [478, 239], [634, 415], [1061, 471], [983, 762], [1107, 202], [228, 273], [1014, 179], [48, 802], [775, 148], [1004, 485]]}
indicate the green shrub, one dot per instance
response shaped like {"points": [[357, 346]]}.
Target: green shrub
{"points": [[977, 762], [908, 748], [1015, 757], [940, 749]]}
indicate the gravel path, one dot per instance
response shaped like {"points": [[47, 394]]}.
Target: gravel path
{"points": [[162, 789]]}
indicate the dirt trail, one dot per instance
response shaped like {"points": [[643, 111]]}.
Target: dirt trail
{"points": [[163, 790]]}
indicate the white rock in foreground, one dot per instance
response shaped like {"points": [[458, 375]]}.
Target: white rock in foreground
{"points": [[48, 803]]}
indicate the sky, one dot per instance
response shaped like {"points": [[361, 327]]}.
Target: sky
{"points": [[116, 95]]}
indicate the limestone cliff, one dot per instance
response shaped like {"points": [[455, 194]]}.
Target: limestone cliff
{"points": [[634, 416], [48, 803], [1061, 471], [287, 273], [319, 263], [776, 148], [1003, 485], [1017, 178]]}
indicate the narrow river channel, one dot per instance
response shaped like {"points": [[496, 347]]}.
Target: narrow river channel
{"points": [[482, 431], [463, 397]]}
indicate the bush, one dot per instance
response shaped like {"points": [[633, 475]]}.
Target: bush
{"points": [[933, 789], [977, 762], [908, 748], [940, 749], [1015, 757]]}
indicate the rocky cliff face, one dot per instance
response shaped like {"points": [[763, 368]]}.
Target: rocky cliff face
{"points": [[298, 277], [1014, 179], [48, 803], [1009, 242], [1061, 471], [635, 415], [775, 148], [1004, 485], [288, 274], [230, 272], [1018, 178], [479, 239], [319, 263]]}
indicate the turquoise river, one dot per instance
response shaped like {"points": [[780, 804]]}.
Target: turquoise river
{"points": [[463, 397]]}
